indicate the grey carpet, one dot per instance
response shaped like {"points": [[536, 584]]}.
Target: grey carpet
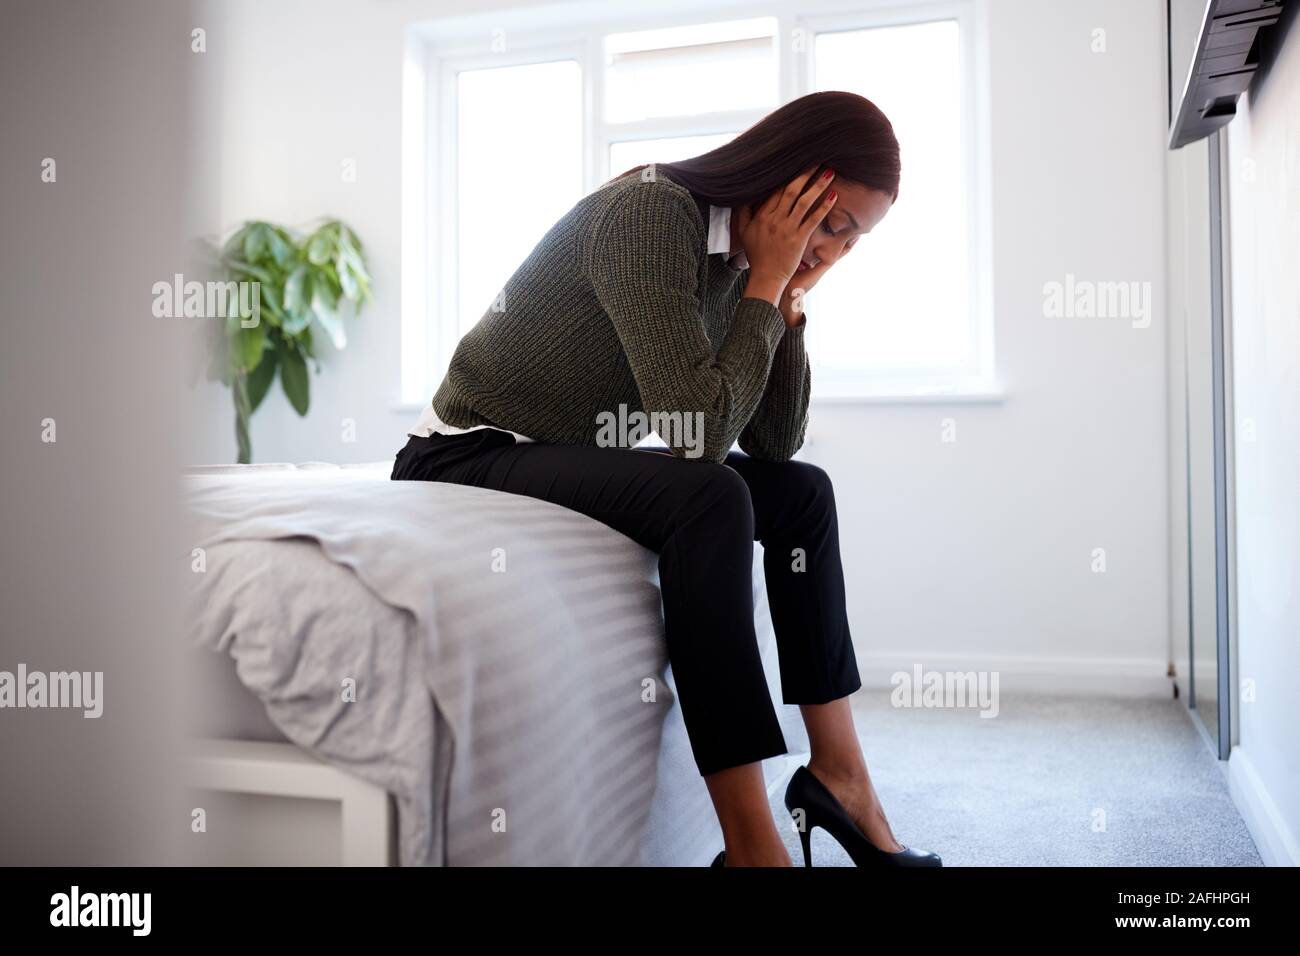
{"points": [[1024, 788]]}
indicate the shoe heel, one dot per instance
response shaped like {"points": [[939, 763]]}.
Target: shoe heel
{"points": [[805, 838]]}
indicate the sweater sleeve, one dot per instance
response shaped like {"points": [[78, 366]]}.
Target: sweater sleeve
{"points": [[777, 429], [643, 264]]}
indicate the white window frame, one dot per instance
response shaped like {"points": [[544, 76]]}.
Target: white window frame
{"points": [[436, 50]]}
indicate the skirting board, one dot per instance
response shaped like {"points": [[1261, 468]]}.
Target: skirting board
{"points": [[1268, 827], [1084, 676]]}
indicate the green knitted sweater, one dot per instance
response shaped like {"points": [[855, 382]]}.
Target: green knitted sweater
{"points": [[620, 309]]}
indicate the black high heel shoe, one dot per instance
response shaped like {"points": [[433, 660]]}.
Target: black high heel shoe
{"points": [[820, 808]]}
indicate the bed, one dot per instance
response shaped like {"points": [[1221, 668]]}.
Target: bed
{"points": [[489, 666]]}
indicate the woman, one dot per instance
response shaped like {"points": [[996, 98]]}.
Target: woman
{"points": [[674, 291]]}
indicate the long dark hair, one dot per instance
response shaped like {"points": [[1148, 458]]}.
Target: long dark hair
{"points": [[843, 131]]}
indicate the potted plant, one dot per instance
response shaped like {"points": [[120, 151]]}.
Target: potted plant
{"points": [[304, 282]]}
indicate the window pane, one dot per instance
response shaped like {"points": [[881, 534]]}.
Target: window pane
{"points": [[518, 127], [901, 300], [685, 71], [623, 156]]}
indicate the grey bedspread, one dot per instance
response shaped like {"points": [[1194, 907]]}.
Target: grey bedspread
{"points": [[514, 642]]}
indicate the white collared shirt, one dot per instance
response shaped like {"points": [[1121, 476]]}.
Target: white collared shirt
{"points": [[430, 422], [719, 241], [720, 236]]}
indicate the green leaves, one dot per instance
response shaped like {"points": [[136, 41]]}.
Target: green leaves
{"points": [[302, 282], [297, 300], [351, 267], [320, 248], [282, 246], [325, 302], [293, 376], [260, 378], [254, 241], [248, 346], [334, 245]]}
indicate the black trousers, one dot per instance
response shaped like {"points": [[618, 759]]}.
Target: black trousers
{"points": [[702, 519]]}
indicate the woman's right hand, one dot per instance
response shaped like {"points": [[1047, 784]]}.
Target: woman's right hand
{"points": [[775, 236]]}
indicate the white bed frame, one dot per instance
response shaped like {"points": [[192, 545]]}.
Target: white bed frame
{"points": [[361, 832], [364, 826]]}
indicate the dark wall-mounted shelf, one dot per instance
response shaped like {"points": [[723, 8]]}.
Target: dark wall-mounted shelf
{"points": [[1227, 54]]}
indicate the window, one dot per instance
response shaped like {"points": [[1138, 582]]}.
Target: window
{"points": [[499, 110], [901, 304], [489, 106], [690, 70]]}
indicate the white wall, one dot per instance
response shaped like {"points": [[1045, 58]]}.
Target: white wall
{"points": [[976, 552], [1264, 206]]}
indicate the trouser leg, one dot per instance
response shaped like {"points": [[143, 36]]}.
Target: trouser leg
{"points": [[795, 519]]}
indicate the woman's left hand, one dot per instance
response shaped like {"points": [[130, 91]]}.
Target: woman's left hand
{"points": [[792, 298]]}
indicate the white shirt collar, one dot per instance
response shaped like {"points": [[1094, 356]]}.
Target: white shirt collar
{"points": [[720, 236]]}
